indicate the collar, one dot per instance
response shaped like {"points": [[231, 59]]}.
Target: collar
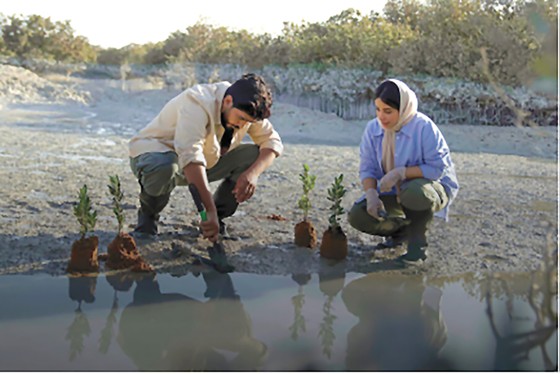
{"points": [[220, 94]]}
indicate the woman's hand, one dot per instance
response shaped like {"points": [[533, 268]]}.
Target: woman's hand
{"points": [[374, 203], [392, 178]]}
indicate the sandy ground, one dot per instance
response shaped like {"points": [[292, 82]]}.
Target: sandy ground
{"points": [[504, 217]]}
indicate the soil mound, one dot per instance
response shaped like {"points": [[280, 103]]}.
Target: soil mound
{"points": [[19, 85], [123, 254]]}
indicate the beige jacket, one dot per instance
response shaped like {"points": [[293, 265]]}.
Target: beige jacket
{"points": [[190, 125]]}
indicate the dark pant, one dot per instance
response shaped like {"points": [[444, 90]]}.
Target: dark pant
{"points": [[419, 199], [158, 174]]}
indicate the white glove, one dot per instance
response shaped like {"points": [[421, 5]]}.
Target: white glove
{"points": [[374, 203], [392, 178]]}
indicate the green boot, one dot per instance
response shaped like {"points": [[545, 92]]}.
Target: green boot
{"points": [[416, 253]]}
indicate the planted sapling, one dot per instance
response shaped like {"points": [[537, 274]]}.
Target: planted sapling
{"points": [[83, 257], [305, 234], [335, 195], [335, 244], [308, 182], [87, 217], [122, 251], [117, 194]]}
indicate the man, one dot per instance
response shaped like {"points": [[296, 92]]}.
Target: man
{"points": [[196, 139]]}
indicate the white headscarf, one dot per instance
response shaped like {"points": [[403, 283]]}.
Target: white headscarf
{"points": [[407, 110]]}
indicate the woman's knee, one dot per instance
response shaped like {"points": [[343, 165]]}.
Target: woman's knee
{"points": [[418, 194], [355, 217]]}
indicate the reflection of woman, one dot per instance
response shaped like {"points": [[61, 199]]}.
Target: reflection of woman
{"points": [[400, 328], [405, 158], [160, 331]]}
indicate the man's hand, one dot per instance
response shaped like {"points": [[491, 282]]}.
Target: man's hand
{"points": [[210, 227], [245, 186], [392, 178], [374, 203]]}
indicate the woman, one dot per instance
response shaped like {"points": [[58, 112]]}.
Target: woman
{"points": [[406, 172]]}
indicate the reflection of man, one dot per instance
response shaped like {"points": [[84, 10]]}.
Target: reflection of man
{"points": [[401, 327], [171, 331]]}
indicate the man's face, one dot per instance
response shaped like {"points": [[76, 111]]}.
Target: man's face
{"points": [[233, 117]]}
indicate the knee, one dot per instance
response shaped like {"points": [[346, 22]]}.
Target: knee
{"points": [[250, 153], [357, 218], [417, 195], [159, 180]]}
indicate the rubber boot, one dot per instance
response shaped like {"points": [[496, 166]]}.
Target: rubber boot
{"points": [[417, 241], [398, 238], [226, 205], [148, 214]]}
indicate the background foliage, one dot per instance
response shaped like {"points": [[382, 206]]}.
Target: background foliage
{"points": [[438, 38]]}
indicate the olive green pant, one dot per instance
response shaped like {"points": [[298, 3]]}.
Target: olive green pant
{"points": [[158, 174], [419, 199]]}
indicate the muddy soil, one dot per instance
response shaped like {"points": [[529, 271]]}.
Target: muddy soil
{"points": [[334, 245], [505, 215], [122, 253], [305, 235], [83, 255]]}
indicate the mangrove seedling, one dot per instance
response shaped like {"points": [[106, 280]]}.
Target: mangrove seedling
{"points": [[87, 217], [122, 251], [335, 195], [115, 190], [334, 245], [308, 181], [305, 234]]}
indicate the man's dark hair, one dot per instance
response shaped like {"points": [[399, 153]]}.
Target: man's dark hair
{"points": [[251, 95], [389, 93]]}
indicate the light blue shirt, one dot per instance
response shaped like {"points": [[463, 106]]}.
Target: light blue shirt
{"points": [[419, 143]]}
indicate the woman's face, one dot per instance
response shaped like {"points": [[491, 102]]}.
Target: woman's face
{"points": [[387, 115]]}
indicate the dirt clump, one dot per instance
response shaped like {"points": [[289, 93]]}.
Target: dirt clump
{"points": [[334, 244], [305, 235], [123, 254], [83, 257]]}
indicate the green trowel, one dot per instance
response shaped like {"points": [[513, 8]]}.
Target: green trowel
{"points": [[218, 259]]}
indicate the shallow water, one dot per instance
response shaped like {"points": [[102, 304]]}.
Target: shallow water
{"points": [[327, 321]]}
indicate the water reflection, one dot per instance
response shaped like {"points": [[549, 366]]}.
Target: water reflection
{"points": [[80, 289], [331, 282], [513, 348], [121, 281], [188, 334], [298, 326], [400, 324], [331, 320]]}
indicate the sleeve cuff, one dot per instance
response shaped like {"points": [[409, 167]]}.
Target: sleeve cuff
{"points": [[197, 158]]}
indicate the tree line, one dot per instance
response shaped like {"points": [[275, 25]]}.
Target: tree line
{"points": [[441, 38]]}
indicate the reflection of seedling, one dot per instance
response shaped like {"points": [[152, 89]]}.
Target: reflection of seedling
{"points": [[115, 190], [336, 192], [308, 181], [76, 333], [299, 320], [107, 332], [87, 217], [326, 331]]}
